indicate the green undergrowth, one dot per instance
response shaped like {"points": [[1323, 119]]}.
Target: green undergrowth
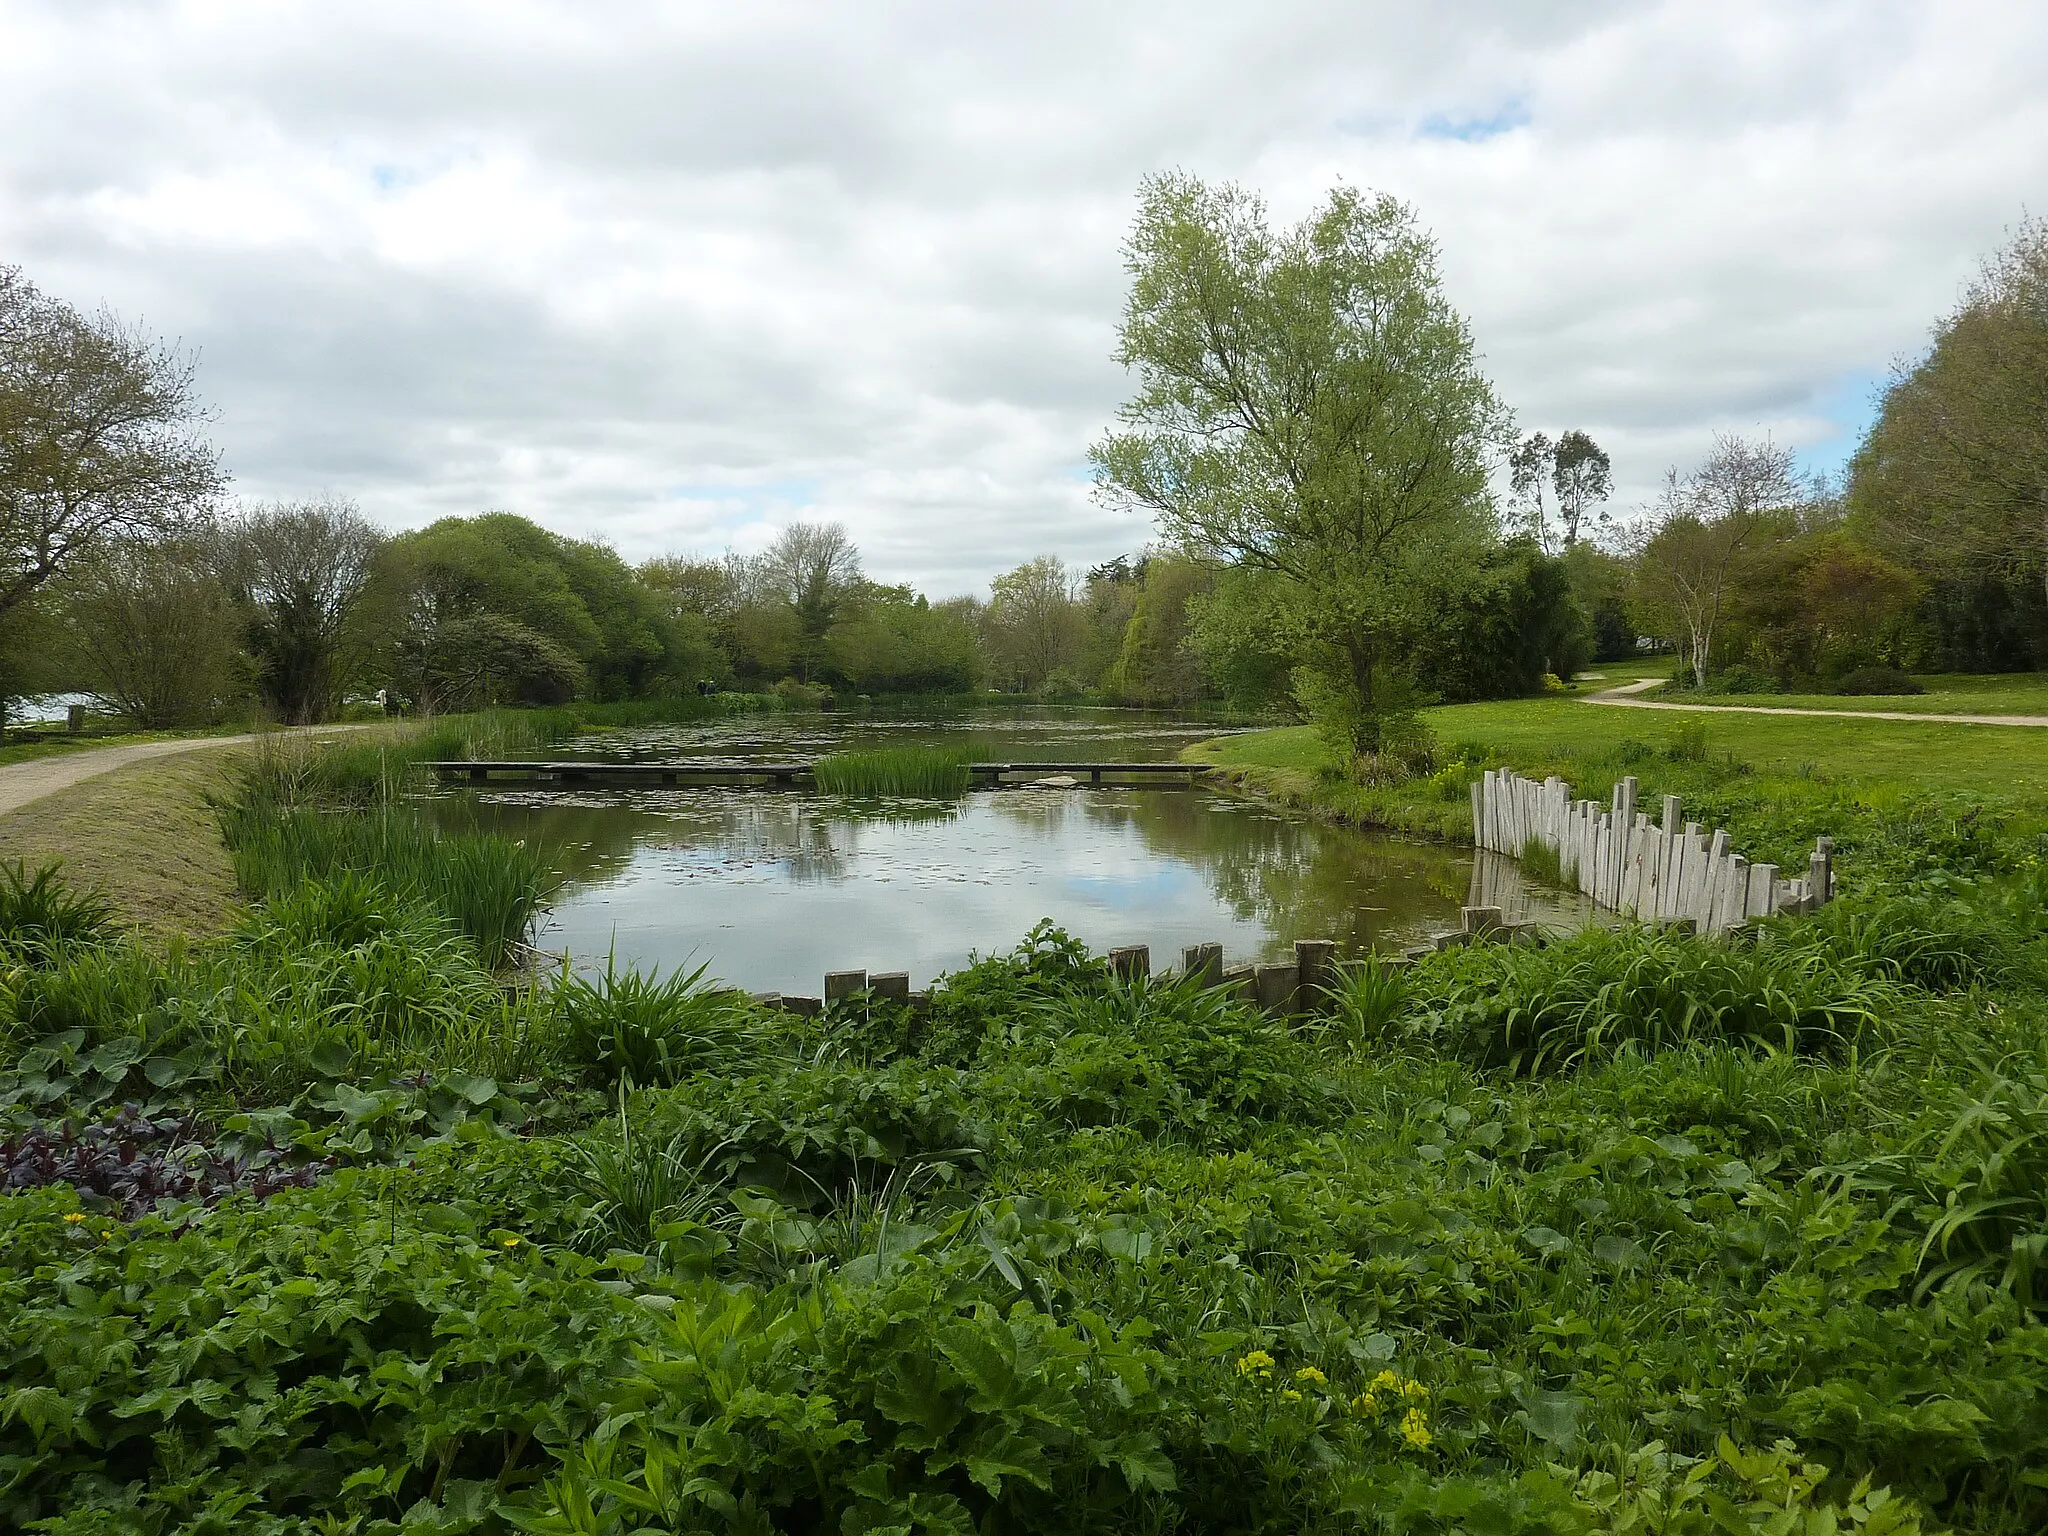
{"points": [[930, 772], [337, 1225]]}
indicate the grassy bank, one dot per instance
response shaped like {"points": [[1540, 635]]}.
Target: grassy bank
{"points": [[144, 836], [330, 1224], [1899, 796]]}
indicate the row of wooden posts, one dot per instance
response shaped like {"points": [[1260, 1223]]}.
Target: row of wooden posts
{"points": [[1675, 871], [1280, 986]]}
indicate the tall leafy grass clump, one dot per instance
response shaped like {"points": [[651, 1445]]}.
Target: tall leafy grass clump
{"points": [[39, 913], [303, 818], [933, 772], [1645, 990]]}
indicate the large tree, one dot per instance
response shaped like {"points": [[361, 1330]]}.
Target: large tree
{"points": [[1582, 476], [99, 436], [1954, 474], [1036, 625], [301, 569], [1708, 521], [1308, 405], [153, 631]]}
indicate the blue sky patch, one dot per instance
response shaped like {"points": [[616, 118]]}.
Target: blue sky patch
{"points": [[1474, 129]]}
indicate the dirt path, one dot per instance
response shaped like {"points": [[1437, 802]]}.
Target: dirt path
{"points": [[24, 783], [1622, 697]]}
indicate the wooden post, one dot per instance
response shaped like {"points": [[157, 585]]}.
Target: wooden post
{"points": [[1242, 980], [1133, 962], [1479, 922], [74, 719], [1315, 961], [843, 985], [1204, 962], [1276, 985], [890, 986]]}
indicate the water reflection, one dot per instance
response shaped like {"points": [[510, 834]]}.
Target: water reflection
{"points": [[772, 888]]}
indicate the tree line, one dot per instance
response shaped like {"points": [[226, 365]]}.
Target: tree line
{"points": [[1349, 527]]}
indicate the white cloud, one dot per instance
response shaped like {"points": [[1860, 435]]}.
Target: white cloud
{"points": [[673, 274]]}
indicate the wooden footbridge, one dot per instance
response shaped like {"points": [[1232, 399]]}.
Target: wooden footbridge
{"points": [[737, 775]]}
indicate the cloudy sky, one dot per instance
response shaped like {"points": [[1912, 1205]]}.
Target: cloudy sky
{"points": [[676, 274]]}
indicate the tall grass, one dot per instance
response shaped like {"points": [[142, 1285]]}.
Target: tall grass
{"points": [[928, 771], [302, 816]]}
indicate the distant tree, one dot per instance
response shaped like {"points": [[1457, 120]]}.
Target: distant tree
{"points": [[1157, 665], [153, 631], [1709, 520], [99, 436], [1035, 622], [301, 569], [1953, 477], [813, 568], [483, 659], [1109, 597], [1309, 406], [891, 640], [1532, 466], [1582, 476], [578, 595]]}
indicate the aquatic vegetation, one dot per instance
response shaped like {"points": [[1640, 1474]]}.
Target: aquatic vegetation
{"points": [[931, 772]]}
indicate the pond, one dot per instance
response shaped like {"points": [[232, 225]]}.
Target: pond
{"points": [[769, 889]]}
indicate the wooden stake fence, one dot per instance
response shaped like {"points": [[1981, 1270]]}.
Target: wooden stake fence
{"points": [[1673, 872]]}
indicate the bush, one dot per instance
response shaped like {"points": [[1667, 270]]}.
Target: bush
{"points": [[1743, 679], [632, 1028], [1876, 680], [1641, 989], [38, 913]]}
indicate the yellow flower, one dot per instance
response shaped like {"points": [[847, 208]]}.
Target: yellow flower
{"points": [[1289, 1395], [1414, 1392], [1257, 1363], [108, 1233], [1365, 1405], [74, 1217], [1310, 1373], [511, 1242], [1415, 1430], [1386, 1381]]}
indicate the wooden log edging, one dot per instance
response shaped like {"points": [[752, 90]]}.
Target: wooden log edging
{"points": [[1283, 987], [1666, 870]]}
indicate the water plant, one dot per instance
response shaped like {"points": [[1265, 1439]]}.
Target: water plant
{"points": [[932, 772]]}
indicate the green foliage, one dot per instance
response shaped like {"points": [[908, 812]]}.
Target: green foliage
{"points": [[633, 1029], [1877, 680], [38, 913], [1608, 990], [1633, 1232], [933, 772]]}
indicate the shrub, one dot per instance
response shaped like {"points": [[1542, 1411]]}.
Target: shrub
{"points": [[1877, 680], [1741, 678], [632, 1028], [38, 913], [1640, 989]]}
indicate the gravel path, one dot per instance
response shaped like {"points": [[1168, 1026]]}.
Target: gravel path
{"points": [[1621, 697], [25, 783]]}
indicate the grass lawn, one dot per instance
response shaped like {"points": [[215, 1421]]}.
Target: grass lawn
{"points": [[1997, 693], [1880, 787], [144, 836]]}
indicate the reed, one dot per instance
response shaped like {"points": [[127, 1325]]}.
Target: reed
{"points": [[932, 772], [490, 888]]}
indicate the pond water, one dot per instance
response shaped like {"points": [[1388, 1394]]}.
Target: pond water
{"points": [[769, 889]]}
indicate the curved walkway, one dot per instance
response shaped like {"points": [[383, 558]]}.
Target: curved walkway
{"points": [[1621, 697], [25, 783]]}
